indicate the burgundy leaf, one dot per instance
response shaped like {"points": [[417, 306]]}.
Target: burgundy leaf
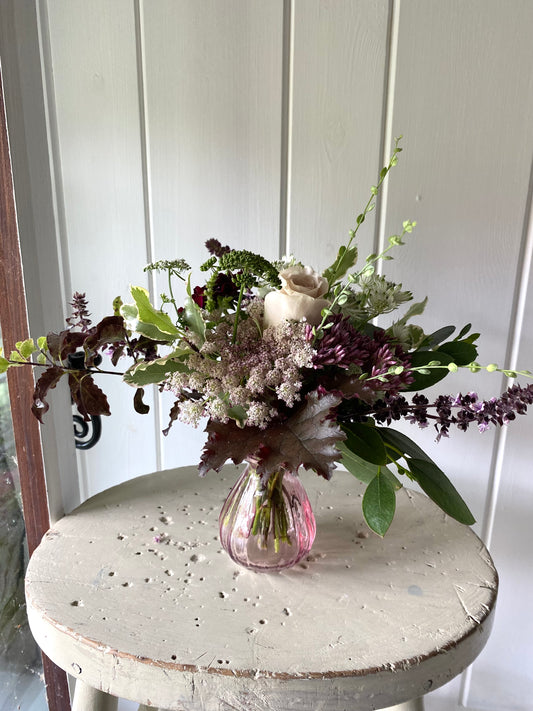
{"points": [[110, 330], [174, 411], [118, 350], [138, 404], [87, 396], [306, 439], [62, 344], [48, 380]]}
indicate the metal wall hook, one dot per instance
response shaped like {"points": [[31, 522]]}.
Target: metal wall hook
{"points": [[83, 436], [86, 434]]}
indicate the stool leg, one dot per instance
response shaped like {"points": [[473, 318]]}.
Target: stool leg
{"points": [[88, 699], [413, 705]]}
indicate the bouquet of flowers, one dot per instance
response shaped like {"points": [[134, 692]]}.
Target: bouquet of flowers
{"points": [[288, 367]]}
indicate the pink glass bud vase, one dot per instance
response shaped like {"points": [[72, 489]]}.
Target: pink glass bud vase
{"points": [[267, 524]]}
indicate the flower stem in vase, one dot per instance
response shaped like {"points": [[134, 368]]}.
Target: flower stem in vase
{"points": [[267, 525]]}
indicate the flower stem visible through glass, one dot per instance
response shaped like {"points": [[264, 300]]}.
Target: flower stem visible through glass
{"points": [[271, 511]]}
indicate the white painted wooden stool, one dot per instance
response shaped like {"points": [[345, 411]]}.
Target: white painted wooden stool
{"points": [[132, 595]]}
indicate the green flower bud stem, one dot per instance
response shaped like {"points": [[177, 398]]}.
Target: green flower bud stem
{"points": [[371, 200], [237, 314], [354, 278]]}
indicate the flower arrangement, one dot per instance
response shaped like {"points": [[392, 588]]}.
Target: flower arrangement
{"points": [[289, 369]]}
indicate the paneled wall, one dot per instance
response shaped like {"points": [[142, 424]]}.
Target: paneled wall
{"points": [[167, 122]]}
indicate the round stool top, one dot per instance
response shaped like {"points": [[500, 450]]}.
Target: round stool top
{"points": [[133, 594]]}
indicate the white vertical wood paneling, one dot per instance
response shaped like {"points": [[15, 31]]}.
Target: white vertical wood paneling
{"points": [[212, 87], [339, 73], [463, 102], [37, 210], [93, 54], [504, 675], [170, 121]]}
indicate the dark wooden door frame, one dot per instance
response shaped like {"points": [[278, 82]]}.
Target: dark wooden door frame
{"points": [[14, 324]]}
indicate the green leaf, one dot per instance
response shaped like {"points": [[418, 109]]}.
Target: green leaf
{"points": [[401, 443], [462, 333], [428, 377], [26, 348], [42, 343], [461, 352], [440, 335], [15, 356], [154, 371], [152, 332], [413, 310], [346, 258], [364, 471], [193, 317], [440, 489], [379, 504], [149, 315], [364, 440], [239, 414], [4, 364]]}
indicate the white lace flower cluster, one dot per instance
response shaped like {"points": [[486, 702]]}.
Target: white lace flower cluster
{"points": [[254, 375]]}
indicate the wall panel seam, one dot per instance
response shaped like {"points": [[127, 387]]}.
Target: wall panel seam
{"points": [[286, 125], [54, 150], [144, 130], [56, 187], [389, 87]]}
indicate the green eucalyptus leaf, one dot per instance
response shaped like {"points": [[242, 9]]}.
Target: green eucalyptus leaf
{"points": [[430, 376], [359, 468], [462, 333], [379, 504], [398, 444], [440, 335], [364, 440], [150, 315], [462, 353], [440, 489], [364, 471]]}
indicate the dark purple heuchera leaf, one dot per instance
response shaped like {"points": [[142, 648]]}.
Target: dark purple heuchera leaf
{"points": [[306, 439], [48, 380], [87, 396]]}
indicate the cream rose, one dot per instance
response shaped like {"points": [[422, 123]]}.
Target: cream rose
{"points": [[298, 298]]}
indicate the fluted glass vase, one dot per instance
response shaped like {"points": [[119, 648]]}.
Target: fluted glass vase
{"points": [[266, 523]]}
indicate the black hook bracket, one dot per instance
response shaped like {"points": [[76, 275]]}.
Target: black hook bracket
{"points": [[86, 433]]}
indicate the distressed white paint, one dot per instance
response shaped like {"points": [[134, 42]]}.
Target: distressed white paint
{"points": [[151, 155], [363, 621]]}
